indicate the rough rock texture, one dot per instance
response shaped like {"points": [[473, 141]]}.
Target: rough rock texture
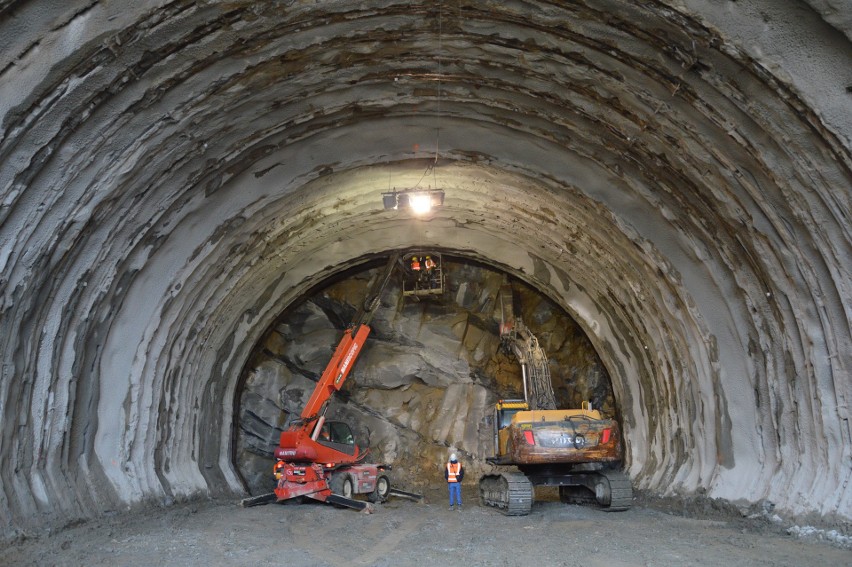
{"points": [[426, 381], [675, 174]]}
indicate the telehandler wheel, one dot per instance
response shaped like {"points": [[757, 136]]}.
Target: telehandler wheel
{"points": [[347, 491], [380, 494], [341, 484]]}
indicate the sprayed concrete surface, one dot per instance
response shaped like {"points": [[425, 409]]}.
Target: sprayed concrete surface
{"points": [[674, 174]]}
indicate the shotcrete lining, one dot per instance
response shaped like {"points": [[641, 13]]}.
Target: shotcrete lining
{"points": [[211, 249]]}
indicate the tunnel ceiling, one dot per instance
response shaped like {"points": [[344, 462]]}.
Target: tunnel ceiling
{"points": [[676, 175]]}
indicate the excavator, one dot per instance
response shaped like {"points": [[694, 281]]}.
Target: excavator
{"points": [[578, 450], [318, 458]]}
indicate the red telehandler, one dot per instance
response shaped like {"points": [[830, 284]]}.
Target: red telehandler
{"points": [[319, 459]]}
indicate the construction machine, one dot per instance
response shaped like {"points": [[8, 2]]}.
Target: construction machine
{"points": [[578, 450], [318, 458]]}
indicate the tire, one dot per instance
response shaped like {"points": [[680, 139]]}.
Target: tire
{"points": [[348, 491], [380, 493], [341, 484]]}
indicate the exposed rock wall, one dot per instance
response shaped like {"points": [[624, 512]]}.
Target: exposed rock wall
{"points": [[426, 381]]}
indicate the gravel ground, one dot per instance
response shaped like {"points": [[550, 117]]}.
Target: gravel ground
{"points": [[402, 533]]}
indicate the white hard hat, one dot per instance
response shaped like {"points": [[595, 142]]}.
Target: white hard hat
{"points": [[453, 457]]}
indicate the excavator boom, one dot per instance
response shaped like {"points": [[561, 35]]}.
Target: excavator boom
{"points": [[520, 341]]}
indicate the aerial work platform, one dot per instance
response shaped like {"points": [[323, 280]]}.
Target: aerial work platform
{"points": [[423, 274]]}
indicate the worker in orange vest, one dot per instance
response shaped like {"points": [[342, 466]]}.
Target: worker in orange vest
{"points": [[278, 469], [415, 264], [454, 473], [429, 267]]}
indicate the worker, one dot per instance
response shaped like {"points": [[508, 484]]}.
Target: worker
{"points": [[278, 469], [454, 473], [415, 264], [429, 265]]}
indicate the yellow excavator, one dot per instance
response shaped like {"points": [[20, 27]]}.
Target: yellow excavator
{"points": [[578, 450]]}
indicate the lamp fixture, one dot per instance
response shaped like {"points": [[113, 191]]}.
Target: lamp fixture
{"points": [[419, 201]]}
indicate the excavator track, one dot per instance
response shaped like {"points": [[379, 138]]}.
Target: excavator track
{"points": [[620, 491], [510, 492], [611, 491]]}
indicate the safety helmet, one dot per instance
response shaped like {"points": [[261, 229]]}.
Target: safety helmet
{"points": [[453, 457]]}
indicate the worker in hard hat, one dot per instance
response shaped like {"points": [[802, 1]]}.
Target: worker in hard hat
{"points": [[278, 469], [429, 269], [454, 473], [415, 265]]}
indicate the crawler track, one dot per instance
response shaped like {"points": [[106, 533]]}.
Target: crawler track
{"points": [[511, 493], [620, 491], [610, 491]]}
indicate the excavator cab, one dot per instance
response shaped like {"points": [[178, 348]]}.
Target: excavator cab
{"points": [[504, 412], [423, 274], [507, 410]]}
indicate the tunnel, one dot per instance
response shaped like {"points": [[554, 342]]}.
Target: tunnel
{"points": [[174, 175]]}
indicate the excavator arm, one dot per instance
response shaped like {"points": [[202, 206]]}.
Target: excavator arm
{"points": [[520, 341]]}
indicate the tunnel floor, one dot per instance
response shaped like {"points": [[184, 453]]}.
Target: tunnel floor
{"points": [[401, 532]]}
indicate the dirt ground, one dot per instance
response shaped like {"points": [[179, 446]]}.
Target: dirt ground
{"points": [[403, 533]]}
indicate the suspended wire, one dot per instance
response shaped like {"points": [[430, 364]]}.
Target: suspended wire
{"points": [[431, 167], [440, 74]]}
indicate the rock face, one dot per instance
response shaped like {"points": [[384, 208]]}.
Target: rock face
{"points": [[426, 381]]}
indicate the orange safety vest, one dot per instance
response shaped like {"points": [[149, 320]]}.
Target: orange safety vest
{"points": [[453, 471], [278, 470], [415, 264]]}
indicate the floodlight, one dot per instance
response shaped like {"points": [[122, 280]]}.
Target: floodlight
{"points": [[419, 201]]}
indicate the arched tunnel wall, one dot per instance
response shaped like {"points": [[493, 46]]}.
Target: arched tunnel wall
{"points": [[173, 175]]}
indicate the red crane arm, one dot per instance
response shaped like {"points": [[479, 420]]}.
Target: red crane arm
{"points": [[337, 370]]}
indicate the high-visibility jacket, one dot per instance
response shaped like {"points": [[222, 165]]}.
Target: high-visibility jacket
{"points": [[415, 264], [453, 472]]}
